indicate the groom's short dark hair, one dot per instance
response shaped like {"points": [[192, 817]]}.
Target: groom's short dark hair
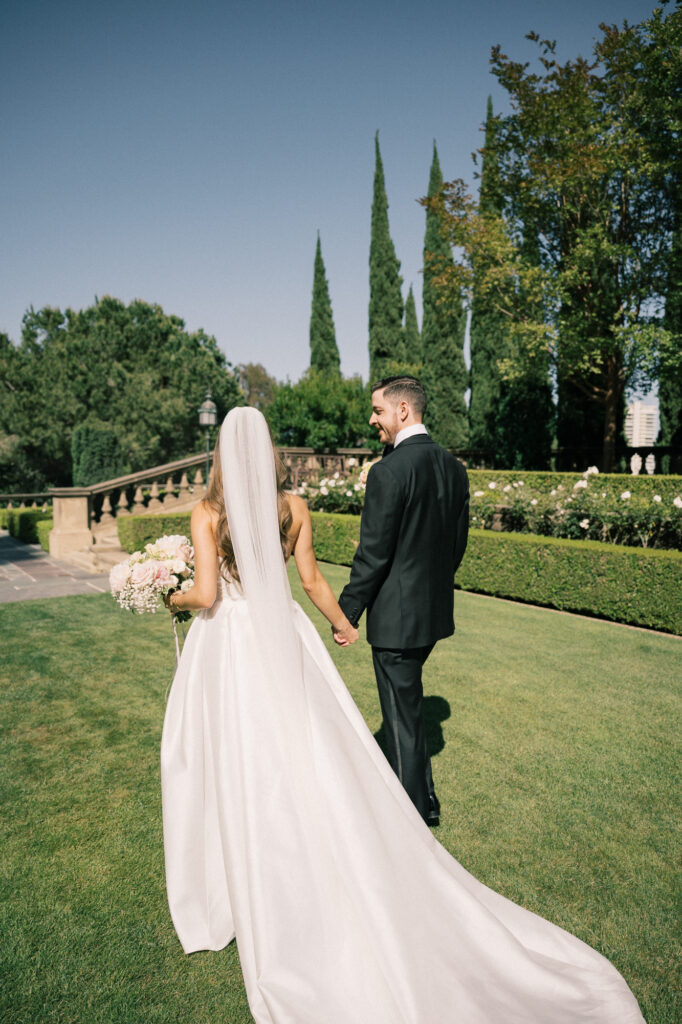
{"points": [[404, 388]]}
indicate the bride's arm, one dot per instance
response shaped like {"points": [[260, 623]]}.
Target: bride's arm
{"points": [[203, 593], [314, 583]]}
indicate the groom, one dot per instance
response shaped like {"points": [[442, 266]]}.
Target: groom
{"points": [[412, 538]]}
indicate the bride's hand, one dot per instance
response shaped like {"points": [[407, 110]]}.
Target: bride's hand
{"points": [[346, 635]]}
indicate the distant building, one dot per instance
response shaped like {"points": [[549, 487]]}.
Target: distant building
{"points": [[641, 424]]}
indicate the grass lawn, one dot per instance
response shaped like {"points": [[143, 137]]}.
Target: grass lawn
{"points": [[554, 743]]}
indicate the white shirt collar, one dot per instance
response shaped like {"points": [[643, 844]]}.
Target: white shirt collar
{"points": [[402, 435]]}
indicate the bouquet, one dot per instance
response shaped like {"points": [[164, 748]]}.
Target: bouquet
{"points": [[163, 567]]}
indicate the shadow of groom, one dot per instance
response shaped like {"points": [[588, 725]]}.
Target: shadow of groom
{"points": [[436, 710]]}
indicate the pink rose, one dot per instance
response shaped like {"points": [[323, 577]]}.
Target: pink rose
{"points": [[143, 573], [164, 577]]}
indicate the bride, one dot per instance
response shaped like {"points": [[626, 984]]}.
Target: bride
{"points": [[285, 827]]}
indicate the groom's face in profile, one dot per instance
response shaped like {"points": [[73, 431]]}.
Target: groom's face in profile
{"points": [[385, 416]]}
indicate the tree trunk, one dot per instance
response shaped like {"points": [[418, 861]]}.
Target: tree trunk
{"points": [[614, 389]]}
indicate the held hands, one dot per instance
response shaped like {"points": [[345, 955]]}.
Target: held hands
{"points": [[345, 635]]}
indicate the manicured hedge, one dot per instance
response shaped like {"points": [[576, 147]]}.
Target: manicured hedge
{"points": [[43, 528], [136, 531], [22, 523], [642, 587], [633, 585]]}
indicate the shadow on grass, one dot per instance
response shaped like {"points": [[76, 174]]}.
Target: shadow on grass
{"points": [[436, 711]]}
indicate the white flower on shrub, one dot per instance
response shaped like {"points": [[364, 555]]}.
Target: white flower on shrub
{"points": [[332, 482], [591, 471], [478, 494], [553, 491], [337, 475], [584, 523], [579, 484], [492, 485], [352, 462], [677, 502], [349, 494], [534, 501], [521, 483], [324, 490], [515, 483], [657, 497], [625, 495], [357, 487], [506, 489]]}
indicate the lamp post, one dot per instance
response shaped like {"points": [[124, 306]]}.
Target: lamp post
{"points": [[208, 416]]}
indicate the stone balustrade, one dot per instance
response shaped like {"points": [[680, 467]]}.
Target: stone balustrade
{"points": [[86, 516]]}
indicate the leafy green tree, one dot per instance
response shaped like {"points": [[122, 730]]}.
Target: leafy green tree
{"points": [[257, 385], [324, 353], [444, 371], [576, 171], [385, 296], [132, 367], [320, 411]]}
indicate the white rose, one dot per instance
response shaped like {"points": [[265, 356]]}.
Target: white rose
{"points": [[584, 523], [506, 489], [677, 502], [625, 495], [534, 501], [492, 485], [657, 497], [478, 494], [118, 577]]}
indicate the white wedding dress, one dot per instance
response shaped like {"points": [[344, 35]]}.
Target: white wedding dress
{"points": [[285, 826]]}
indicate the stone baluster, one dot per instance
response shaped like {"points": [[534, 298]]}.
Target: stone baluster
{"points": [[199, 487], [155, 504], [138, 502], [169, 499], [184, 488], [106, 516], [122, 506]]}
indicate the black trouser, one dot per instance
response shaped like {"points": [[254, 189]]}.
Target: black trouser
{"points": [[399, 681]]}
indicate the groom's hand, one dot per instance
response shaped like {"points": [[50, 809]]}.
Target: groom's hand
{"points": [[345, 636]]}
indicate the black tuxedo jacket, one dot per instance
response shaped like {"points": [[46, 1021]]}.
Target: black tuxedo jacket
{"points": [[413, 535]]}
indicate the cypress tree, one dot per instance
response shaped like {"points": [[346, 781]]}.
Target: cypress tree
{"points": [[411, 337], [324, 352], [444, 371], [385, 297]]}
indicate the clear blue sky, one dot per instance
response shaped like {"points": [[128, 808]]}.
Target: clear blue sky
{"points": [[188, 153]]}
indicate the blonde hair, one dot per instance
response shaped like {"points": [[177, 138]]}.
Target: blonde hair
{"points": [[215, 501]]}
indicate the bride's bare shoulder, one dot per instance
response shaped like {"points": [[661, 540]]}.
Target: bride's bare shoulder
{"points": [[298, 507]]}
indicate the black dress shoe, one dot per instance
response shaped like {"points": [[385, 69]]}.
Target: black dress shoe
{"points": [[433, 816]]}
